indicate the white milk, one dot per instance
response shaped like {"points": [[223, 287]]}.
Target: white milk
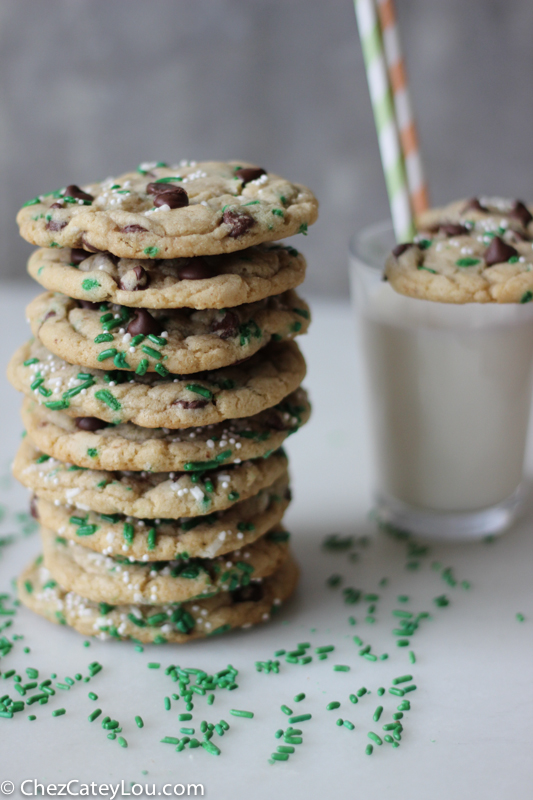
{"points": [[450, 390]]}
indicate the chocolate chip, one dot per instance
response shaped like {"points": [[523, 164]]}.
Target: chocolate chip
{"points": [[190, 403], [474, 205], [144, 323], [133, 229], [288, 494], [498, 252], [77, 255], [248, 594], [33, 507], [134, 279], [453, 230], [401, 248], [88, 304], [226, 327], [275, 422], [247, 174], [88, 246], [77, 193], [195, 270], [55, 225], [239, 222], [90, 423], [521, 212], [57, 205], [49, 315], [166, 194]]}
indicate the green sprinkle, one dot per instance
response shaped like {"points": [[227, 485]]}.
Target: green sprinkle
{"points": [[92, 696], [520, 617], [411, 688], [398, 692], [369, 750], [153, 665], [167, 706], [32, 717], [377, 713], [402, 643], [151, 252], [89, 283], [57, 405], [169, 739], [286, 710], [283, 748], [184, 717], [527, 297], [160, 340], [300, 718], [341, 668], [277, 212], [375, 738], [326, 649], [362, 691], [441, 601], [103, 337], [142, 367], [201, 390], [303, 228], [333, 705], [120, 361], [105, 354], [402, 679], [105, 396], [299, 697], [467, 262], [122, 742], [280, 756], [349, 725], [30, 361], [161, 370], [211, 748], [248, 714], [187, 731], [151, 352], [353, 699], [427, 269], [59, 712]]}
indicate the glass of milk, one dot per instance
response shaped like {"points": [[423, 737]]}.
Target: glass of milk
{"points": [[449, 393]]}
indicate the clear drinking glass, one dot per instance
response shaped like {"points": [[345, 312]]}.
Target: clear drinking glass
{"points": [[449, 391]]}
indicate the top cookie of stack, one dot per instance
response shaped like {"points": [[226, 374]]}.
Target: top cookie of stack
{"points": [[163, 345]]}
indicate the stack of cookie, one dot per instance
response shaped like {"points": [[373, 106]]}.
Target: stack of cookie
{"points": [[160, 386]]}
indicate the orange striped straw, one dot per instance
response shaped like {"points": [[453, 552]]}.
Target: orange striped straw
{"points": [[418, 191]]}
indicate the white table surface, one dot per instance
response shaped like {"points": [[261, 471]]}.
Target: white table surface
{"points": [[468, 733]]}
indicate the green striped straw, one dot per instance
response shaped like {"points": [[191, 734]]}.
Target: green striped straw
{"points": [[385, 119]]}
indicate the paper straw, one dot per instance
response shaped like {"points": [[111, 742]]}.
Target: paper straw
{"points": [[384, 117], [403, 107]]}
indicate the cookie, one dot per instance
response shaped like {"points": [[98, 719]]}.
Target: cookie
{"points": [[144, 494], [183, 341], [157, 624], [498, 215], [191, 209], [89, 442], [209, 282], [473, 252], [155, 400], [116, 580], [162, 540]]}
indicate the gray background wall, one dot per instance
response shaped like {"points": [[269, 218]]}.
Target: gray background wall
{"points": [[89, 88]]}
